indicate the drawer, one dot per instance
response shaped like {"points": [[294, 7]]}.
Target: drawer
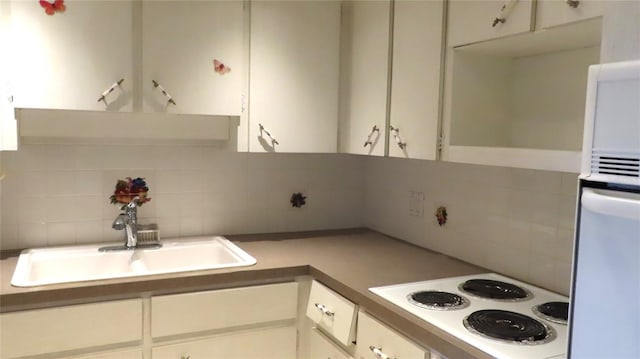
{"points": [[332, 312], [375, 340], [321, 347], [58, 329], [211, 310]]}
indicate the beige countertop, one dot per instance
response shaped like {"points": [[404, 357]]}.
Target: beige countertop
{"points": [[349, 262]]}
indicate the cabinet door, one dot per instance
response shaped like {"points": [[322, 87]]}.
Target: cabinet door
{"points": [[68, 60], [551, 13], [181, 41], [51, 330], [415, 84], [116, 354], [275, 343], [320, 347], [473, 21], [364, 77], [294, 71], [375, 340], [8, 125]]}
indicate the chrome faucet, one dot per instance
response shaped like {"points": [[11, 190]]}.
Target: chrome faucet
{"points": [[129, 222]]}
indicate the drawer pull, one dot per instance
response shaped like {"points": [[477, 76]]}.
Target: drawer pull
{"points": [[374, 130], [573, 3], [396, 136], [164, 92], [377, 351], [103, 96], [263, 130], [324, 310], [505, 9]]}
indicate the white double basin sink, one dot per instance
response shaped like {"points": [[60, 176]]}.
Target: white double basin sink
{"points": [[85, 263]]}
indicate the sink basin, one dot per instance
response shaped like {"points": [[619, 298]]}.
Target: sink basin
{"points": [[84, 263]]}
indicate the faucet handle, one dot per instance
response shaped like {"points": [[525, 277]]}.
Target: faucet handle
{"points": [[134, 202], [120, 222]]}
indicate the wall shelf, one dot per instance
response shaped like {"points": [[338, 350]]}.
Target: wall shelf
{"points": [[62, 126]]}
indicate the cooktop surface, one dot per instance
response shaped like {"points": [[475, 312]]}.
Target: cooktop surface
{"points": [[503, 317]]}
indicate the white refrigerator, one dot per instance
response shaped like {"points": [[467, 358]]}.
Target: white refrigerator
{"points": [[604, 313]]}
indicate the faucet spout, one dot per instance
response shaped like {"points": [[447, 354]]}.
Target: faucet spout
{"points": [[131, 223], [128, 221]]}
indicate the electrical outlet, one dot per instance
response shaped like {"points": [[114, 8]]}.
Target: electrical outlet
{"points": [[416, 204]]}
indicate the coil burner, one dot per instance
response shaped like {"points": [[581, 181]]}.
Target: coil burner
{"points": [[508, 326], [432, 299], [494, 289]]}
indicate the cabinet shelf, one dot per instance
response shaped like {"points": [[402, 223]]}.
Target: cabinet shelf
{"points": [[551, 160], [62, 126]]}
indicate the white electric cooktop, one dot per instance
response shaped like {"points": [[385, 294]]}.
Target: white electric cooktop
{"points": [[534, 337]]}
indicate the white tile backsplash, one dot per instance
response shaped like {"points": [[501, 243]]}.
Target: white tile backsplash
{"points": [[59, 194], [514, 221]]}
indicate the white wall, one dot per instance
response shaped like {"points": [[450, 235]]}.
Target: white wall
{"points": [[59, 194], [621, 32], [513, 221], [547, 111]]}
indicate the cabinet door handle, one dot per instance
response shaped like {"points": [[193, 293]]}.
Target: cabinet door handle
{"points": [[505, 10], [103, 96], [164, 92], [324, 310], [573, 3], [263, 130], [396, 136], [377, 351], [368, 142]]}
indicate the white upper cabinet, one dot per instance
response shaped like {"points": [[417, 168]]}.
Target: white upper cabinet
{"points": [[69, 59], [364, 77], [473, 21], [182, 42], [551, 13], [294, 69], [8, 125], [415, 84]]}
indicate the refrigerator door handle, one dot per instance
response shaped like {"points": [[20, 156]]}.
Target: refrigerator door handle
{"points": [[612, 203]]}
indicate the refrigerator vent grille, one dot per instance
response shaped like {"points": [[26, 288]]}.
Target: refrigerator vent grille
{"points": [[616, 164]]}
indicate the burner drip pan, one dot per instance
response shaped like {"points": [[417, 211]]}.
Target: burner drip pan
{"points": [[509, 327]]}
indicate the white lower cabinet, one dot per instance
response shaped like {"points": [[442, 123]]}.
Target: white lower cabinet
{"points": [[321, 347], [266, 343], [376, 341], [87, 328], [247, 322]]}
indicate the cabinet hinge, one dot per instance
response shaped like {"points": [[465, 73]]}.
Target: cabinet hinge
{"points": [[440, 143]]}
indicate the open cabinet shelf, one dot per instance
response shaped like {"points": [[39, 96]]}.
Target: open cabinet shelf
{"points": [[519, 101]]}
